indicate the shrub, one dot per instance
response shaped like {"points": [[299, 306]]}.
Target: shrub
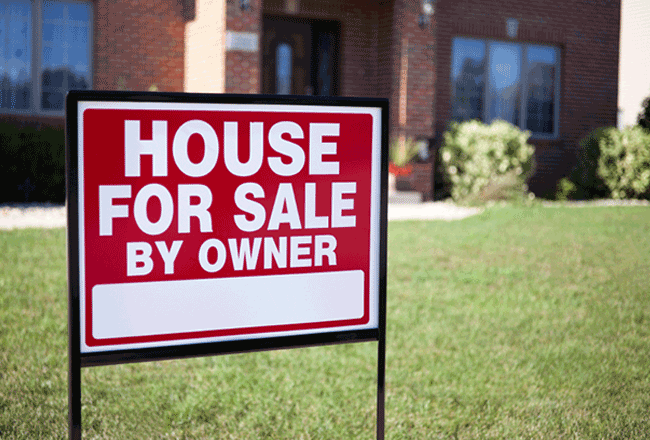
{"points": [[566, 190], [403, 151], [584, 176], [32, 164], [487, 162], [624, 162]]}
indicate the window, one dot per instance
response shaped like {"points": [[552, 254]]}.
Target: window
{"points": [[283, 67], [511, 81], [45, 51]]}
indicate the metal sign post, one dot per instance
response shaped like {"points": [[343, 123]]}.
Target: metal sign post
{"points": [[212, 224]]}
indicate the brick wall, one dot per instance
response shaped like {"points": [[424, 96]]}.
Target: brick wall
{"points": [[587, 34], [243, 67], [139, 43], [413, 91]]}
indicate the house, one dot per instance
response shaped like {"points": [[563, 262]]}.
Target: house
{"points": [[549, 66]]}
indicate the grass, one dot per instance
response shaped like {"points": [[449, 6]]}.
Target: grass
{"points": [[519, 323]]}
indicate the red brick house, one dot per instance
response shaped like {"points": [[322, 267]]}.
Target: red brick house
{"points": [[549, 66]]}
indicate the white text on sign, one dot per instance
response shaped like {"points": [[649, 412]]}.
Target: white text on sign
{"points": [[185, 201]]}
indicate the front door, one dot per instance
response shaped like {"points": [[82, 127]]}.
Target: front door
{"points": [[300, 57]]}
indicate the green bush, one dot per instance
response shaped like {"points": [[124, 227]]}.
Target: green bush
{"points": [[487, 162], [588, 184], [566, 190], [32, 164], [401, 153], [624, 162]]}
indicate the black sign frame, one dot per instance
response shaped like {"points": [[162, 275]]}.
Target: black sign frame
{"points": [[79, 360]]}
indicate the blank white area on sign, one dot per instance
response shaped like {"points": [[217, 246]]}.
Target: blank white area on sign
{"points": [[165, 307]]}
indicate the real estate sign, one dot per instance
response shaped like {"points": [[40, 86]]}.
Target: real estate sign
{"points": [[204, 224]]}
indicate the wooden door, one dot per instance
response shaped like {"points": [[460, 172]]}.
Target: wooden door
{"points": [[286, 57], [300, 56]]}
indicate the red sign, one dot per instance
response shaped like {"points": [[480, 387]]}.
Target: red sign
{"points": [[216, 222]]}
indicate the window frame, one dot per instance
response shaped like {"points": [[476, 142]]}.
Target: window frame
{"points": [[524, 68], [36, 108]]}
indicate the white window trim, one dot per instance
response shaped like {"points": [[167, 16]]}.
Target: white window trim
{"points": [[37, 59], [524, 88]]}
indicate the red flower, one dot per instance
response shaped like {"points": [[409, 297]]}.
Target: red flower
{"points": [[399, 171]]}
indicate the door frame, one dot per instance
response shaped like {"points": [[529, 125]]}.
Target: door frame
{"points": [[316, 26]]}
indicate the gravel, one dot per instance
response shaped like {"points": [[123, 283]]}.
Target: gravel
{"points": [[54, 216], [32, 216], [602, 202], [429, 211]]}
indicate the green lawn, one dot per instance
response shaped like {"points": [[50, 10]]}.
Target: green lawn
{"points": [[519, 323]]}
